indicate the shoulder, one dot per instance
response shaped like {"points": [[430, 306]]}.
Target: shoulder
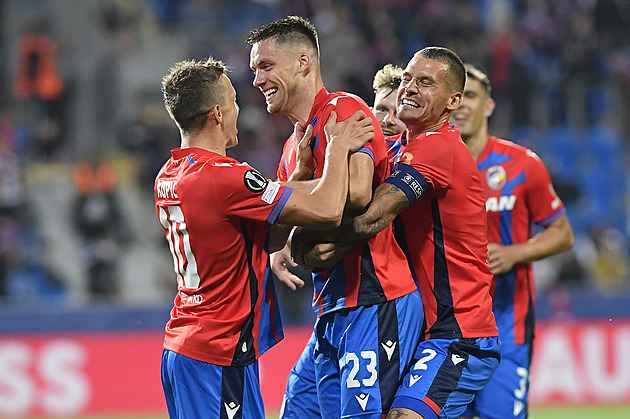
{"points": [[221, 169], [345, 104], [525, 156], [510, 147]]}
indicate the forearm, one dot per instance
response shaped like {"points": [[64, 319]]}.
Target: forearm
{"points": [[388, 202], [321, 209], [332, 189], [304, 186], [556, 238]]}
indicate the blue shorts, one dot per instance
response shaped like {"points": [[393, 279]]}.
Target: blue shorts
{"points": [[446, 374], [361, 354], [300, 399], [196, 389], [505, 396]]}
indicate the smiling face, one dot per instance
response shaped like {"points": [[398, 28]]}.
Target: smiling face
{"points": [[276, 74], [425, 98], [385, 111], [476, 107]]}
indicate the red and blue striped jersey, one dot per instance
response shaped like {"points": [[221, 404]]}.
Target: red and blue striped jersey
{"points": [[443, 233], [518, 193], [375, 270], [216, 214]]}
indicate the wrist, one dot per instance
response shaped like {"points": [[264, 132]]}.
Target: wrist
{"points": [[301, 173]]}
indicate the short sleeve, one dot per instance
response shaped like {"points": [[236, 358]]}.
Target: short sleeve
{"points": [[542, 199], [247, 194]]}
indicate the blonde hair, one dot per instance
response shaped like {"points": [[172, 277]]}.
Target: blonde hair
{"points": [[474, 73], [388, 76]]}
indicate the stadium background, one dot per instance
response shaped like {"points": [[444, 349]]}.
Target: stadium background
{"points": [[85, 276]]}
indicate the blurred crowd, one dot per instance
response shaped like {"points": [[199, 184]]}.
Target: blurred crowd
{"points": [[83, 130]]}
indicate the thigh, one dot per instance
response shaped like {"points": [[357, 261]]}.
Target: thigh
{"points": [[195, 389], [300, 399], [505, 396], [363, 353], [446, 374]]}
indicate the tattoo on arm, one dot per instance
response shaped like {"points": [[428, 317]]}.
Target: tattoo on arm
{"points": [[388, 202], [396, 413]]}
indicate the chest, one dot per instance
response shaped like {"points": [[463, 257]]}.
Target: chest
{"points": [[504, 185]]}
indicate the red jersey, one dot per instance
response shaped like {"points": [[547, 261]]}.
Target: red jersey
{"points": [[443, 233], [375, 270], [396, 147], [518, 192], [216, 214]]}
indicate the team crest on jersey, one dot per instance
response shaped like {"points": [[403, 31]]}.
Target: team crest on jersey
{"points": [[496, 177], [254, 181]]}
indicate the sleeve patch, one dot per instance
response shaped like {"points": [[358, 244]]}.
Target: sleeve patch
{"points": [[254, 181], [270, 192]]}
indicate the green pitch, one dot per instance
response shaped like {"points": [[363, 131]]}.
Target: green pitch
{"points": [[581, 412]]}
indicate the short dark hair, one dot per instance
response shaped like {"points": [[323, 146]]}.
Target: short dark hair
{"points": [[474, 73], [388, 76], [456, 69], [290, 29], [191, 89]]}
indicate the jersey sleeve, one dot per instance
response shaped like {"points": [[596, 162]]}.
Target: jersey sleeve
{"points": [[345, 106], [433, 160], [247, 194], [542, 200]]}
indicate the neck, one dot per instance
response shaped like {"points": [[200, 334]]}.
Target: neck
{"points": [[477, 142], [475, 145], [204, 141], [305, 98]]}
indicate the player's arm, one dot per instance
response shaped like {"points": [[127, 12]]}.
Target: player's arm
{"points": [[323, 207], [388, 202], [360, 186], [555, 238]]}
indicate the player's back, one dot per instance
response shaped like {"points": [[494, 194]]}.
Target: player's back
{"points": [[206, 204]]}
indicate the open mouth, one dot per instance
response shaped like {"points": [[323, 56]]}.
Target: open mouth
{"points": [[460, 117], [407, 102], [270, 92]]}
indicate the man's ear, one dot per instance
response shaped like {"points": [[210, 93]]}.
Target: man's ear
{"points": [[489, 107], [454, 101], [304, 61], [216, 114]]}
